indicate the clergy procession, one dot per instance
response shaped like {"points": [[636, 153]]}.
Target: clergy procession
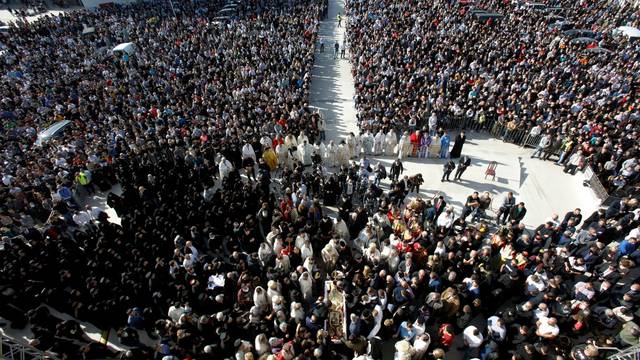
{"points": [[418, 144]]}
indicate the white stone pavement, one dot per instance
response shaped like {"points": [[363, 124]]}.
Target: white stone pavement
{"points": [[7, 16], [543, 187], [332, 88]]}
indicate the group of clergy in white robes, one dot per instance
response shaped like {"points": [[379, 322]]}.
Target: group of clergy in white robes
{"points": [[292, 148]]}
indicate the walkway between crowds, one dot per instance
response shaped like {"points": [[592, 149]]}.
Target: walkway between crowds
{"points": [[332, 88]]}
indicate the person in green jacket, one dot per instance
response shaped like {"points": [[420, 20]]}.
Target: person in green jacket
{"points": [[629, 335]]}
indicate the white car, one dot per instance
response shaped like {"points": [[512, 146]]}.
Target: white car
{"points": [[52, 131]]}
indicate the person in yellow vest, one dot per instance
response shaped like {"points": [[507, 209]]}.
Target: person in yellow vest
{"points": [[83, 178]]}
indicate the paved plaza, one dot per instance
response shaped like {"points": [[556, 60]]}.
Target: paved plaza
{"points": [[543, 186]]}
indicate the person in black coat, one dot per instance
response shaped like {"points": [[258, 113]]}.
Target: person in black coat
{"points": [[517, 213], [593, 219], [396, 170], [439, 205], [576, 215], [448, 168], [463, 164], [457, 146]]}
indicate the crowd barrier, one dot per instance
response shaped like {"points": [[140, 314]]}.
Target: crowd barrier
{"points": [[11, 349], [520, 137], [594, 183]]}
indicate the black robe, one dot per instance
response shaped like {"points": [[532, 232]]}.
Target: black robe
{"points": [[457, 146]]}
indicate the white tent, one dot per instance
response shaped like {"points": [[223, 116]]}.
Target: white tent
{"points": [[629, 31], [125, 47]]}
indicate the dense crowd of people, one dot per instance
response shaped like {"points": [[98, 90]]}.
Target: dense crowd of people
{"points": [[224, 246], [420, 64]]}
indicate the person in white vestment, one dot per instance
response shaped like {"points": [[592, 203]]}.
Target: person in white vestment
{"points": [[404, 146], [225, 167], [378, 143], [306, 286], [390, 143], [330, 154], [367, 142]]}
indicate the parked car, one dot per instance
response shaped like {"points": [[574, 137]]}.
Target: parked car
{"points": [[628, 31], [487, 16], [534, 6], [575, 33], [561, 25], [53, 131]]}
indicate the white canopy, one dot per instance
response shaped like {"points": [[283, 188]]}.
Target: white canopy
{"points": [[629, 31], [125, 47]]}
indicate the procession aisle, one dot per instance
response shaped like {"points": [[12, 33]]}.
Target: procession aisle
{"points": [[332, 87]]}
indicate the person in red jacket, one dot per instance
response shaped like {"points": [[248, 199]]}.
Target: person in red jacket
{"points": [[446, 334], [414, 138]]}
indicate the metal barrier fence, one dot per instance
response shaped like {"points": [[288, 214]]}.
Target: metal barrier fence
{"points": [[595, 184], [520, 137], [11, 349], [631, 353]]}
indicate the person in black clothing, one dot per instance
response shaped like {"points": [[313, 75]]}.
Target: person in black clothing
{"points": [[448, 168], [505, 209], [575, 215], [415, 182], [517, 213], [395, 170], [380, 174], [457, 146], [593, 219], [463, 164], [249, 166]]}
